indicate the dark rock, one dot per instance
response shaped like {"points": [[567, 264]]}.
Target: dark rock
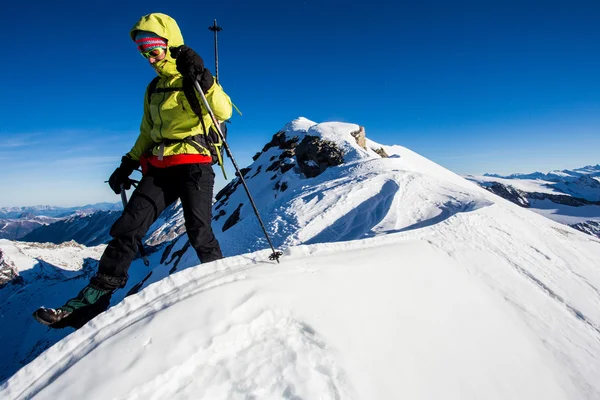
{"points": [[277, 140], [167, 251], [562, 199], [289, 144], [509, 193], [219, 215], [227, 190], [293, 142], [244, 171], [233, 219], [257, 171], [286, 167], [287, 154], [315, 155], [282, 187], [589, 227], [274, 166]]}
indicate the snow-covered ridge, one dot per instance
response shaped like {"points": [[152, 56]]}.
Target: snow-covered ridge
{"points": [[396, 273]]}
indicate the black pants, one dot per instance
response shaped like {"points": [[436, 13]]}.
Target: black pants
{"points": [[159, 188]]}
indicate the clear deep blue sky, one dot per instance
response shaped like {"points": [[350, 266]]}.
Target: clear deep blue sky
{"points": [[480, 86]]}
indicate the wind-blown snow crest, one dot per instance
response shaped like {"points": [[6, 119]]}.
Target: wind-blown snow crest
{"points": [[399, 279]]}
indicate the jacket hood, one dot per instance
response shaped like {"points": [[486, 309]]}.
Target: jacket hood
{"points": [[165, 27]]}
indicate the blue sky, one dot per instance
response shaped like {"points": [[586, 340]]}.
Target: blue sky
{"points": [[479, 86]]}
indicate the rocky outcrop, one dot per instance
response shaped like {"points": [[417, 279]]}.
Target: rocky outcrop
{"points": [[509, 193], [233, 218], [304, 154], [562, 199], [589, 227], [314, 155], [381, 152], [8, 272], [360, 137]]}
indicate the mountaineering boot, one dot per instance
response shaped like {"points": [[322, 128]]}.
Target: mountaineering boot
{"points": [[50, 316], [91, 301]]}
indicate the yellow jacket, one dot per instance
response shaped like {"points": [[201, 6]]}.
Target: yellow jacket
{"points": [[168, 115]]}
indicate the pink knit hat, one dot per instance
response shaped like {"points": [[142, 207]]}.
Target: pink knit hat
{"points": [[147, 41]]}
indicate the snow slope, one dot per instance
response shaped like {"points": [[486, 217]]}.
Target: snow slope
{"points": [[566, 214], [400, 279]]}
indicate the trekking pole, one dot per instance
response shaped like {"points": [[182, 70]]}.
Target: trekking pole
{"points": [[140, 244], [276, 254], [214, 28]]}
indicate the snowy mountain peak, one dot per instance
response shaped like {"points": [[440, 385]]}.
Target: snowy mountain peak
{"points": [[300, 151]]}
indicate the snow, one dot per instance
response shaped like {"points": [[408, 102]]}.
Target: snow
{"points": [[69, 259], [565, 214], [399, 279]]}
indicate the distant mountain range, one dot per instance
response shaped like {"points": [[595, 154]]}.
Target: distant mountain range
{"points": [[571, 197], [18, 222], [556, 175], [87, 226], [56, 212], [90, 230]]}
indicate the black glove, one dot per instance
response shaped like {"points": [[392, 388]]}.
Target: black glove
{"points": [[121, 175], [190, 64]]}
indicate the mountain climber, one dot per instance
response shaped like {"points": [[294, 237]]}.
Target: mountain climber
{"points": [[176, 149]]}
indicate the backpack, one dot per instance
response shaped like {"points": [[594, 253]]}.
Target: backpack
{"points": [[211, 140]]}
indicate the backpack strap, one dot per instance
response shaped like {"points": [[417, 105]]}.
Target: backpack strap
{"points": [[152, 88], [190, 94]]}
